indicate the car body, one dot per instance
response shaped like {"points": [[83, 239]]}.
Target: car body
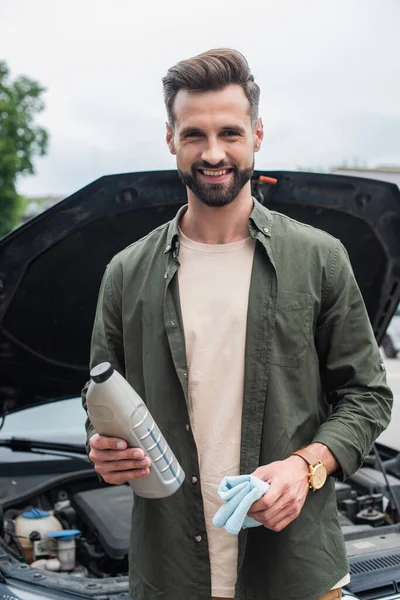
{"points": [[391, 339], [50, 272]]}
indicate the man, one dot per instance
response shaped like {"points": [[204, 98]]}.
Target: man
{"points": [[246, 335]]}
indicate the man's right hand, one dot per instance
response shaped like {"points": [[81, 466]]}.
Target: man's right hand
{"points": [[115, 462]]}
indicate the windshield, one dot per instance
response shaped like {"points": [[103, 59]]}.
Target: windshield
{"points": [[62, 421]]}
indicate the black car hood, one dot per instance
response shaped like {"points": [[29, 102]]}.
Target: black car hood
{"points": [[51, 267]]}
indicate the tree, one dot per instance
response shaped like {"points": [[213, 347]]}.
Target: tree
{"points": [[20, 139]]}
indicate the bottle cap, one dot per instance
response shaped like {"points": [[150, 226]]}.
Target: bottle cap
{"points": [[35, 513], [101, 372], [64, 535]]}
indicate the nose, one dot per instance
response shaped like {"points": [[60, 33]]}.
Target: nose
{"points": [[213, 152]]}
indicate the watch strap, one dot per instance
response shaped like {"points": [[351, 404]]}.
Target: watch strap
{"points": [[309, 457]]}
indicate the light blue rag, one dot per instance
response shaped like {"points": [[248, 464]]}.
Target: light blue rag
{"points": [[239, 493]]}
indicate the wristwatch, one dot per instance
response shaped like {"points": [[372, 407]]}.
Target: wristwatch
{"points": [[317, 471]]}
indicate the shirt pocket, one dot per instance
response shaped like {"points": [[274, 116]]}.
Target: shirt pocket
{"points": [[292, 329]]}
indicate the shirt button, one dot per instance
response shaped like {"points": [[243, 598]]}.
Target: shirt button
{"points": [[198, 538], [194, 479], [172, 323], [185, 374], [165, 275], [167, 248], [265, 229], [187, 427]]}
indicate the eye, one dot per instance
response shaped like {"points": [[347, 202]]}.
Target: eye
{"points": [[192, 134], [230, 133]]}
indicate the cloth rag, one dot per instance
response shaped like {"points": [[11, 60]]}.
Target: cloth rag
{"points": [[238, 493]]}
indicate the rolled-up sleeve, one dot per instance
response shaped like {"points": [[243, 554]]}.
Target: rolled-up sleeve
{"points": [[352, 370]]}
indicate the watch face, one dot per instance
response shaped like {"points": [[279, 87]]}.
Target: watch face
{"points": [[318, 477]]}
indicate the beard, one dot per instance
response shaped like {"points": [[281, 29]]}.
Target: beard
{"points": [[216, 194]]}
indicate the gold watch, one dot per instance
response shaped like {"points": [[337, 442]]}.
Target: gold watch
{"points": [[317, 471]]}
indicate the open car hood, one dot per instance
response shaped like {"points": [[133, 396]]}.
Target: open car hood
{"points": [[51, 267]]}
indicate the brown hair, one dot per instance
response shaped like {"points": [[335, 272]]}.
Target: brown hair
{"points": [[210, 71]]}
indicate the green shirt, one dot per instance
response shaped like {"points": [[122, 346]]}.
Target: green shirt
{"points": [[313, 373]]}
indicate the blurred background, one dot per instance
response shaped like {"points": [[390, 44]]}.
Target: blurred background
{"points": [[81, 94], [81, 97]]}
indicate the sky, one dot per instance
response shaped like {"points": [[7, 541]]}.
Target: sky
{"points": [[329, 74]]}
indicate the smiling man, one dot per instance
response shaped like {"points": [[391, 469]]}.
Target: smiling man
{"points": [[214, 138], [246, 335]]}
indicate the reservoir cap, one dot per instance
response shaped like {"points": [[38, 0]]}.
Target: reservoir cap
{"points": [[65, 535], [101, 372], [35, 513]]}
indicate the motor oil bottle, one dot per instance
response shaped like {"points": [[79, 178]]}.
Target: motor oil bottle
{"points": [[116, 410]]}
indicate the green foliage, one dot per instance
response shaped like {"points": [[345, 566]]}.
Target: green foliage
{"points": [[22, 203], [20, 140]]}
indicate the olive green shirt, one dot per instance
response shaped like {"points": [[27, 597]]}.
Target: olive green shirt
{"points": [[313, 373]]}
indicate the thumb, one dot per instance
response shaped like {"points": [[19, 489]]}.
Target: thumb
{"points": [[264, 472]]}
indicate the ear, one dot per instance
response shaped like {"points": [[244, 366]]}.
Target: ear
{"points": [[258, 134], [170, 138]]}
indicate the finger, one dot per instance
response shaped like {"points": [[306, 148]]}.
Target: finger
{"points": [[258, 506], [263, 473], [288, 500], [111, 455], [281, 521], [120, 477], [270, 498], [122, 465], [101, 442], [264, 518], [257, 510]]}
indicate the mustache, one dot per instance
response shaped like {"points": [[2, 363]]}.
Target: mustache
{"points": [[202, 164]]}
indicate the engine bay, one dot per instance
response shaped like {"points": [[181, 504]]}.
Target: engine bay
{"points": [[76, 527], [96, 522]]}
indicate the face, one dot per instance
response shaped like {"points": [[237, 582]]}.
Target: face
{"points": [[214, 142]]}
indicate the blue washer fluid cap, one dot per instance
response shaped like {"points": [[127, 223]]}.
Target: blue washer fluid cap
{"points": [[35, 513], [64, 535]]}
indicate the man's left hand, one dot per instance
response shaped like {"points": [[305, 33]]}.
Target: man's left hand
{"points": [[282, 503]]}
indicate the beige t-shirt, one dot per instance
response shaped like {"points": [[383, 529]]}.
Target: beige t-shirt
{"points": [[214, 283]]}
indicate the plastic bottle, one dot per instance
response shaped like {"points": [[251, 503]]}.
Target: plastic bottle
{"points": [[31, 521], [116, 410], [65, 547]]}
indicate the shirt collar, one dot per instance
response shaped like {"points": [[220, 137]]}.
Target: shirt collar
{"points": [[260, 220]]}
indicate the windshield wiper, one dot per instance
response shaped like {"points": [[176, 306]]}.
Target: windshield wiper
{"points": [[24, 445]]}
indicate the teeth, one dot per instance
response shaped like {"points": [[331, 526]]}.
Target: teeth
{"points": [[215, 173]]}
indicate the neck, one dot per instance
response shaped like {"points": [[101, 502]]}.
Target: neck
{"points": [[219, 225]]}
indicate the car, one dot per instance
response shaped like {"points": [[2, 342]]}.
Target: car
{"points": [[63, 533], [391, 339]]}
